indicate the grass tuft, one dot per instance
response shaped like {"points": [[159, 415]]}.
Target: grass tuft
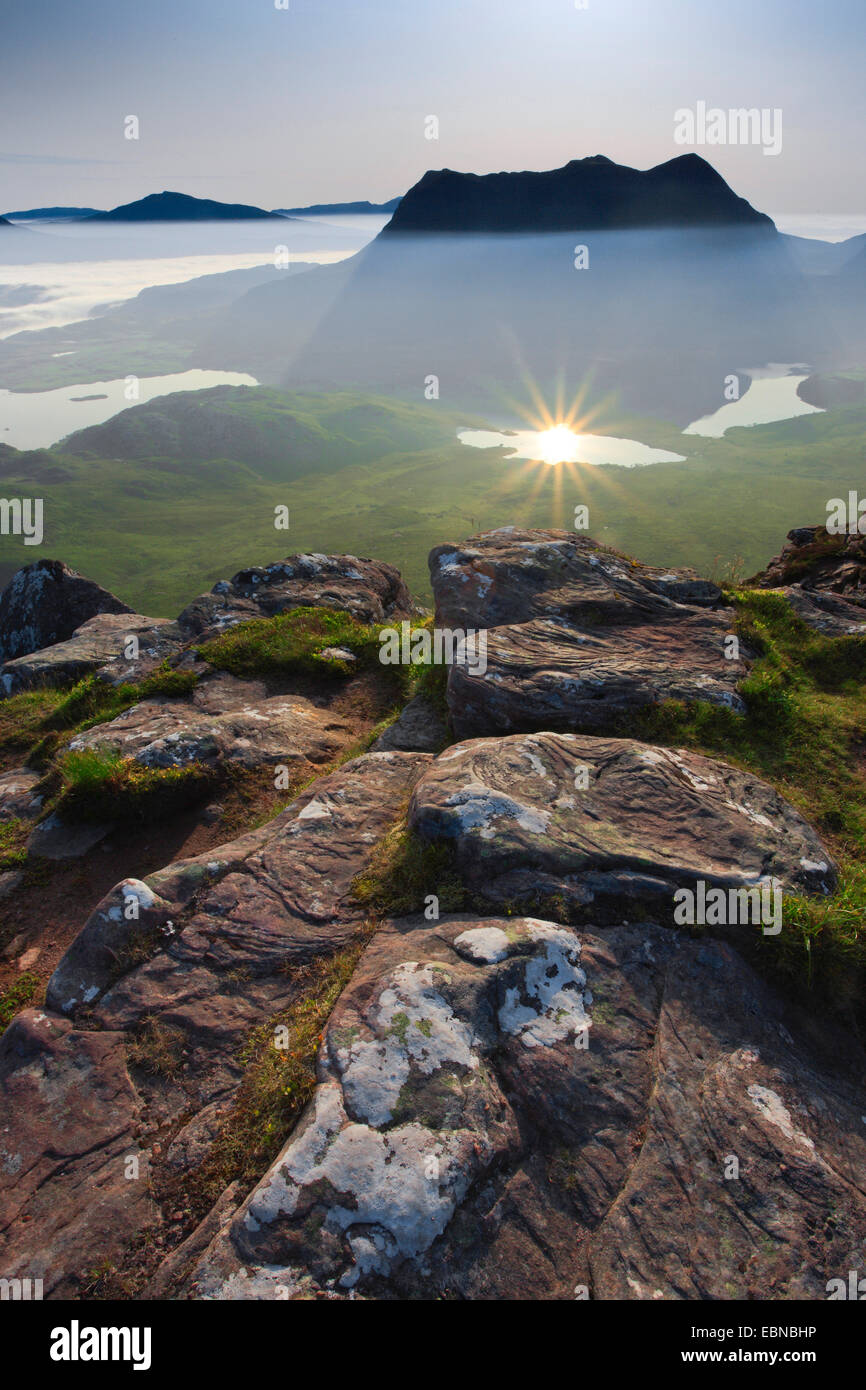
{"points": [[99, 784]]}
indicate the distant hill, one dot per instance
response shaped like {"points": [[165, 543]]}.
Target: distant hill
{"points": [[587, 194], [275, 433], [336, 209], [180, 207], [4, 223], [50, 214]]}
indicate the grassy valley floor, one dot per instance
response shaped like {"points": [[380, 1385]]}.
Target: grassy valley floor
{"points": [[157, 530]]}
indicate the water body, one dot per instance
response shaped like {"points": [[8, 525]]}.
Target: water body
{"points": [[595, 449], [64, 272], [772, 396], [37, 419]]}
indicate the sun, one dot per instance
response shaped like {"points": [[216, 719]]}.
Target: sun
{"points": [[558, 445]]}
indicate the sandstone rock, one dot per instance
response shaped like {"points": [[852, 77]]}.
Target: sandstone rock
{"points": [[736, 1077], [129, 914], [368, 589], [419, 727], [162, 733], [45, 603], [18, 799], [96, 642], [159, 644], [826, 612], [508, 1110], [242, 915], [511, 576], [610, 826], [68, 1114], [507, 1106], [546, 674], [819, 562]]}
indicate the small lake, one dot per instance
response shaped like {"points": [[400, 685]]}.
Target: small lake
{"points": [[772, 396], [37, 419], [596, 449]]}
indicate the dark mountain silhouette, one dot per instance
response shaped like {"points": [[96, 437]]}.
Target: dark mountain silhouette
{"points": [[335, 209], [587, 194], [180, 207], [4, 223], [685, 284], [52, 214]]}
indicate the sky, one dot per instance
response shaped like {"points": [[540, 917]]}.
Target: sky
{"points": [[328, 100]]}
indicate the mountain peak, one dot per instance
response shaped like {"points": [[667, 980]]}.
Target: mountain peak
{"points": [[586, 194]]}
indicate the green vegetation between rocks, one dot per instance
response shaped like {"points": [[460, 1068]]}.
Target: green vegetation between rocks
{"points": [[307, 641], [804, 732], [94, 701], [17, 996], [295, 641], [13, 837], [36, 727], [403, 870], [35, 722]]}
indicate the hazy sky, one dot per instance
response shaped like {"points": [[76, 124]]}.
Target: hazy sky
{"points": [[327, 101]]}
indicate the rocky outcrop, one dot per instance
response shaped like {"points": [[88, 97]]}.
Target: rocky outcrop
{"points": [[368, 589], [549, 674], [507, 1109], [575, 635], [610, 826], [206, 953], [815, 565], [45, 603], [566, 1090], [511, 576], [826, 612], [98, 641], [227, 721], [50, 636]]}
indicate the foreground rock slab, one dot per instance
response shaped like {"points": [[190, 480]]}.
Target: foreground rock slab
{"points": [[69, 1113], [610, 826], [506, 1109], [211, 954], [547, 674]]}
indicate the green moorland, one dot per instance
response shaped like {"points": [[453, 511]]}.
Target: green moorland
{"points": [[383, 478]]}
